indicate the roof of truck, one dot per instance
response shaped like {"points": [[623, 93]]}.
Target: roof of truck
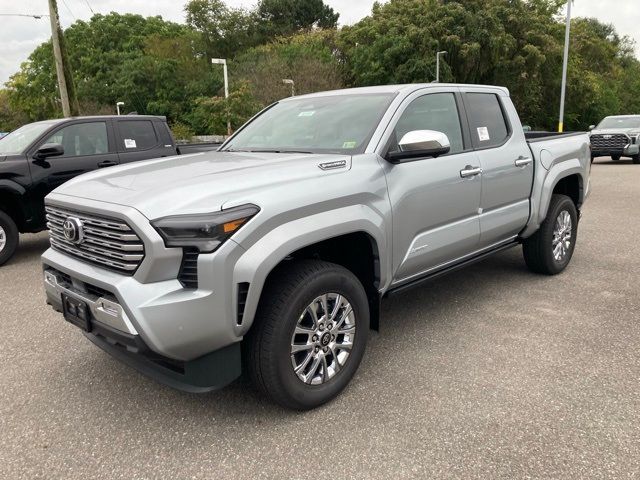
{"points": [[54, 121], [405, 88]]}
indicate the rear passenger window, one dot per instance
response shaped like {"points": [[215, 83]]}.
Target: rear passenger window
{"points": [[487, 122], [137, 135]]}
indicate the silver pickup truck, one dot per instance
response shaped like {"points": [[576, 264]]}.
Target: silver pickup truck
{"points": [[273, 253]]}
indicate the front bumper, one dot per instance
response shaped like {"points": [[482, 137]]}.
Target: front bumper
{"points": [[112, 331], [627, 151], [150, 319]]}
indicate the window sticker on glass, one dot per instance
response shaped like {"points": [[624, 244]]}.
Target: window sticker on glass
{"points": [[483, 134], [307, 114], [129, 143], [349, 144]]}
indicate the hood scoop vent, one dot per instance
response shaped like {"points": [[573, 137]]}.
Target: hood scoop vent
{"points": [[333, 165]]}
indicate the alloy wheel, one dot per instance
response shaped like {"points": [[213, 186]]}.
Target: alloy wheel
{"points": [[561, 242], [323, 339]]}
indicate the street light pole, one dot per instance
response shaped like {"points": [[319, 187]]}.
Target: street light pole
{"points": [[118, 105], [223, 62], [288, 81], [563, 88], [442, 52]]}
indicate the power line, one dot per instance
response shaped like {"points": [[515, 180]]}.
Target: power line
{"points": [[36, 16], [67, 6], [89, 5]]}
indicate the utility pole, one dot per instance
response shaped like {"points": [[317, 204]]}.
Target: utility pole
{"points": [[57, 54], [567, 33]]}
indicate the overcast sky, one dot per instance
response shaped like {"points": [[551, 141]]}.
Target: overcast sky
{"points": [[19, 36]]}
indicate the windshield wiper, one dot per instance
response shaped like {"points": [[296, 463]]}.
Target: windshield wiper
{"points": [[279, 151]]}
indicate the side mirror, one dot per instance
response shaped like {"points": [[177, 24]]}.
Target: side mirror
{"points": [[591, 127], [420, 143], [49, 150]]}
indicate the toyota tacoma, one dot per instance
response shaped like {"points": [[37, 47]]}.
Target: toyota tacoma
{"points": [[272, 254]]}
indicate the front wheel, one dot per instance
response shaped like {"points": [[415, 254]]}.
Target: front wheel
{"points": [[550, 249], [636, 159], [309, 334], [8, 237], [615, 158]]}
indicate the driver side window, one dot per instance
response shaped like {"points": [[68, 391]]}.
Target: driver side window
{"points": [[436, 111], [82, 139]]}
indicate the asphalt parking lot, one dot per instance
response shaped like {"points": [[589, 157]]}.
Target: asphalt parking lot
{"points": [[491, 372]]}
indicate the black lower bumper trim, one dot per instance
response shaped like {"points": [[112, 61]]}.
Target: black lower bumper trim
{"points": [[204, 374]]}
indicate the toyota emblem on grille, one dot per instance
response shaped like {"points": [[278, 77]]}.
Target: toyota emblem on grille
{"points": [[607, 136], [73, 231]]}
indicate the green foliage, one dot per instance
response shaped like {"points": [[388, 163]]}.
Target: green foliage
{"points": [[306, 58], [285, 17], [164, 68], [517, 44], [212, 112], [182, 133]]}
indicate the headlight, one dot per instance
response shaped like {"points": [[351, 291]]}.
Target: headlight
{"points": [[206, 232]]}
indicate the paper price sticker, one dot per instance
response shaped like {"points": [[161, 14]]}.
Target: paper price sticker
{"points": [[483, 134]]}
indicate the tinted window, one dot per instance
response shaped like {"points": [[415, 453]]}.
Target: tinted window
{"points": [[437, 112], [82, 139], [137, 135], [487, 123]]}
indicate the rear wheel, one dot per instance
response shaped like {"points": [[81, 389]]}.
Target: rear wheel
{"points": [[615, 158], [8, 237], [550, 249], [309, 335]]}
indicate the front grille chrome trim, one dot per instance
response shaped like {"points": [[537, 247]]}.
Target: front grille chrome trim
{"points": [[107, 242]]}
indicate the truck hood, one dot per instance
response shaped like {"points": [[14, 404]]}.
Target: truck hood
{"points": [[613, 131], [198, 183]]}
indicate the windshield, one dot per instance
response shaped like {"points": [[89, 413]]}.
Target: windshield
{"points": [[620, 122], [18, 140], [332, 124]]}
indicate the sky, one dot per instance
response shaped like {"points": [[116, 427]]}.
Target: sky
{"points": [[19, 36]]}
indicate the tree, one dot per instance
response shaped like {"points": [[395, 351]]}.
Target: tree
{"points": [[225, 31], [285, 17], [307, 58]]}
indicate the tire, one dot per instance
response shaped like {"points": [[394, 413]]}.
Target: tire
{"points": [[538, 249], [615, 158], [8, 237], [285, 306], [636, 159]]}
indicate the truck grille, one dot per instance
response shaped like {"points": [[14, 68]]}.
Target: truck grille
{"points": [[616, 140], [106, 242]]}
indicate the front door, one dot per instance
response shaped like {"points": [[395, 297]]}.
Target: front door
{"points": [[86, 146], [435, 208]]}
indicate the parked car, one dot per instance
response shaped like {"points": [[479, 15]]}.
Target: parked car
{"points": [[38, 157], [276, 251], [616, 136]]}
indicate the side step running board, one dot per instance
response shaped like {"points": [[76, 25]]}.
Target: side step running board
{"points": [[429, 276]]}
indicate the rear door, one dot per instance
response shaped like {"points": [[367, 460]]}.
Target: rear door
{"points": [[506, 162], [435, 209], [139, 139]]}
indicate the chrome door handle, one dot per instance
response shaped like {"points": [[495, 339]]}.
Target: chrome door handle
{"points": [[470, 171], [523, 161]]}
